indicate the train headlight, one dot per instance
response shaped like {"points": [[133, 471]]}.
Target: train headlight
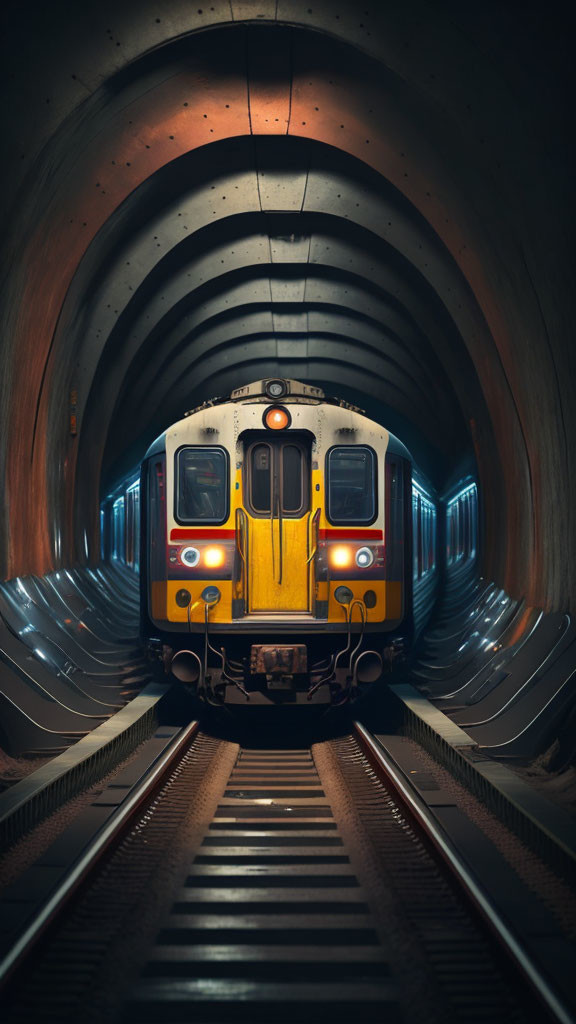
{"points": [[214, 557], [341, 556], [364, 558], [190, 557], [276, 388], [277, 418]]}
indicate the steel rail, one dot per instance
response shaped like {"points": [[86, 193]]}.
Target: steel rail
{"points": [[475, 891], [93, 851]]}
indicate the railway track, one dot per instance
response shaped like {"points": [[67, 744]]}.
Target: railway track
{"points": [[235, 883]]}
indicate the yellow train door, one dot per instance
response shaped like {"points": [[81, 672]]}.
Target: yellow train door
{"points": [[277, 503]]}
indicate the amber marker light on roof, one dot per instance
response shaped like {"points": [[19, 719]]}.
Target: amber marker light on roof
{"points": [[277, 418]]}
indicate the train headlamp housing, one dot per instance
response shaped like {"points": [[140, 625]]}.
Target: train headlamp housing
{"points": [[190, 557], [364, 558], [202, 559], [276, 388], [349, 560], [277, 418]]}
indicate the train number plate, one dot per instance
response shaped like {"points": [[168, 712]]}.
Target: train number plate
{"points": [[272, 659]]}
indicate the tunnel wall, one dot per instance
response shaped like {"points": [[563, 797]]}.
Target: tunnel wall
{"points": [[449, 138]]}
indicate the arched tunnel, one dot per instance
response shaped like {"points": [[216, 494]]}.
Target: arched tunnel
{"points": [[373, 199]]}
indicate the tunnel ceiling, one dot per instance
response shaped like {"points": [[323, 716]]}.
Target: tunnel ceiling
{"points": [[359, 196], [280, 264]]}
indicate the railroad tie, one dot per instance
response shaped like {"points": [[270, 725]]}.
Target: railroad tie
{"points": [[271, 922]]}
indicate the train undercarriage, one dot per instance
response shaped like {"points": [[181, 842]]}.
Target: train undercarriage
{"points": [[321, 670]]}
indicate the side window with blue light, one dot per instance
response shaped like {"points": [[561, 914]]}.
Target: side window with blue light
{"points": [[132, 546], [462, 524], [351, 484], [118, 528], [201, 485], [424, 532]]}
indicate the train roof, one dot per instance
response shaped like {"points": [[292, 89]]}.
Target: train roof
{"points": [[279, 389]]}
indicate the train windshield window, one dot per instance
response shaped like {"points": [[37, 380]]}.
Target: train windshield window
{"points": [[201, 485], [351, 484], [261, 477]]}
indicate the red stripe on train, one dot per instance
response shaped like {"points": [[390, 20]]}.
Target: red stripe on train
{"points": [[189, 533], [344, 534]]}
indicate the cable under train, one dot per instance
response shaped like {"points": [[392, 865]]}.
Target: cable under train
{"points": [[276, 548]]}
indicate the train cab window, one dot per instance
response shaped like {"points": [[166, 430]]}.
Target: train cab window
{"points": [[201, 485], [351, 473]]}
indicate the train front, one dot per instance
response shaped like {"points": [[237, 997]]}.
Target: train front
{"points": [[274, 563]]}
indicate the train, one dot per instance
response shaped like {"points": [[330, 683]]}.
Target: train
{"points": [[276, 558]]}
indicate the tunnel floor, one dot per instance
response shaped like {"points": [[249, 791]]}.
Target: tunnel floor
{"points": [[275, 881], [249, 778]]}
